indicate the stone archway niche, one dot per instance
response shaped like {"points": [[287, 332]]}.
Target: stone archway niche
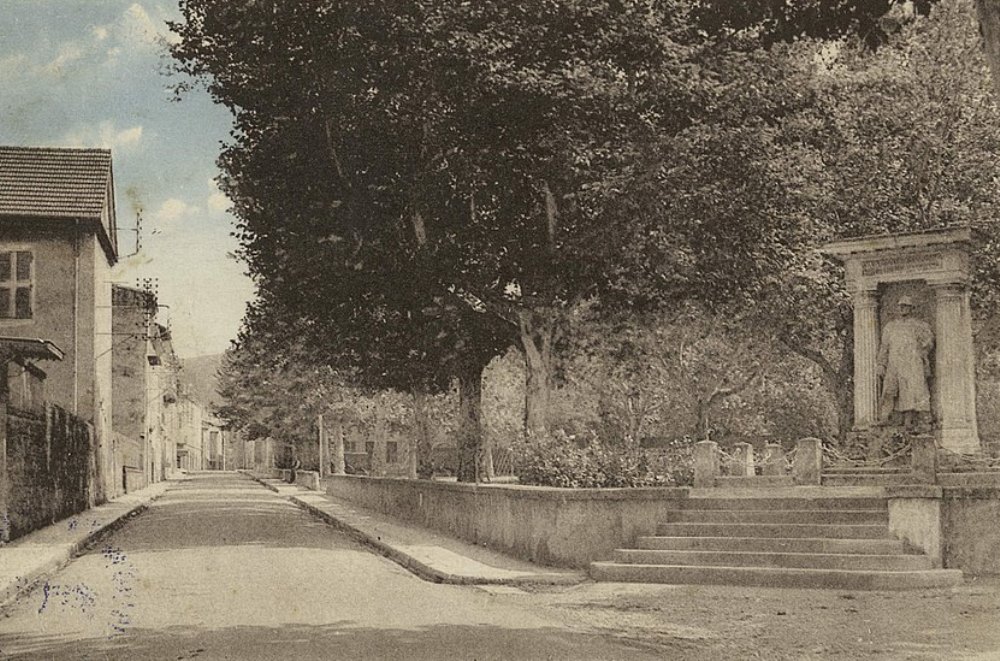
{"points": [[932, 268]]}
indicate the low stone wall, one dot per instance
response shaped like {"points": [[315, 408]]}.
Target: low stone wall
{"points": [[307, 479], [549, 526], [957, 526], [970, 521]]}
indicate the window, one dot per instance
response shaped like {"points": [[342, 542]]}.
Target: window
{"points": [[16, 281], [391, 452]]}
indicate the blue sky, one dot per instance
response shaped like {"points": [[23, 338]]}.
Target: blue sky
{"points": [[93, 73]]}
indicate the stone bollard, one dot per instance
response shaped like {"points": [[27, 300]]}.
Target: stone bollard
{"points": [[706, 463], [924, 459], [773, 462], [743, 460], [808, 465]]}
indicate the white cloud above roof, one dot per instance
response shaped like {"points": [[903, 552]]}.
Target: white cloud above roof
{"points": [[105, 135]]}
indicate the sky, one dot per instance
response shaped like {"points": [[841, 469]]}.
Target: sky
{"points": [[95, 73]]}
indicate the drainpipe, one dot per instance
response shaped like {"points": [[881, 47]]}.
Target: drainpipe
{"points": [[76, 317]]}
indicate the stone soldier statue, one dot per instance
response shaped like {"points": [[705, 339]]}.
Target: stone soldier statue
{"points": [[905, 367]]}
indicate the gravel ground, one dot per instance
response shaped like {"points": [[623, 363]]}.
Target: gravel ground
{"points": [[714, 622]]}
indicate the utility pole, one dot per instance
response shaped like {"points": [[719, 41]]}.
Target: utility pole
{"points": [[321, 438]]}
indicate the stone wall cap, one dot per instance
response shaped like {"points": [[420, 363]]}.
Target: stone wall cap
{"points": [[530, 491], [880, 242]]}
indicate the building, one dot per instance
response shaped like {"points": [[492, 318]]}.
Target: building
{"points": [[135, 389], [214, 439], [57, 247], [186, 421]]}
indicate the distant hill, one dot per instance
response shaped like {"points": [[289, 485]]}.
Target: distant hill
{"points": [[198, 375]]}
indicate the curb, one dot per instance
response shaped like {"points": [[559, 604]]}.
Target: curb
{"points": [[418, 567], [10, 593]]}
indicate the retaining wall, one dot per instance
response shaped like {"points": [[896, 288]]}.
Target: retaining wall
{"points": [[549, 526], [970, 524]]}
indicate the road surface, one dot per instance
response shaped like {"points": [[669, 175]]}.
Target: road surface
{"points": [[222, 568]]}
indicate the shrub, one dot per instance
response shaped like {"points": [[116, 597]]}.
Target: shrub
{"points": [[559, 461]]}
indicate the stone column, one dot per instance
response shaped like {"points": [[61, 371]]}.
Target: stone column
{"points": [[866, 340], [954, 369]]}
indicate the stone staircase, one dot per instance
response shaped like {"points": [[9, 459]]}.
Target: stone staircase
{"points": [[838, 543]]}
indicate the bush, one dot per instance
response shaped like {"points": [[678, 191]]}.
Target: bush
{"points": [[559, 461]]}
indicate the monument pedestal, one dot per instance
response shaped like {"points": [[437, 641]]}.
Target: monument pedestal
{"points": [[932, 269]]}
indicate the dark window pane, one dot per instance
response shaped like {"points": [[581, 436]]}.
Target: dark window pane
{"points": [[23, 265], [5, 271], [5, 311], [22, 303], [391, 452]]}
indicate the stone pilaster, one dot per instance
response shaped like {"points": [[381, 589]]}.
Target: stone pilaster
{"points": [[954, 369], [866, 339]]}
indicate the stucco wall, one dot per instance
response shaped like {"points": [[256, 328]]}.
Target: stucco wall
{"points": [[558, 527], [81, 382]]}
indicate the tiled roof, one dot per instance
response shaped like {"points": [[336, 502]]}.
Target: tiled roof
{"points": [[54, 183]]}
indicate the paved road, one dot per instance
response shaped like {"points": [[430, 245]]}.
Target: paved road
{"points": [[222, 568]]}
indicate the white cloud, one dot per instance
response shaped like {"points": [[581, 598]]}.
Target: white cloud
{"points": [[105, 135], [173, 210], [13, 66], [69, 53], [138, 27], [100, 32], [217, 200]]}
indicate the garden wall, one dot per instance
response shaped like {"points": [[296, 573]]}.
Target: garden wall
{"points": [[546, 525], [49, 468]]}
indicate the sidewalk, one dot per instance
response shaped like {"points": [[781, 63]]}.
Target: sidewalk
{"points": [[32, 558], [429, 555]]}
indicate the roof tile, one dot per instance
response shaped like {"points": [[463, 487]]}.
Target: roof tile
{"points": [[53, 182]]}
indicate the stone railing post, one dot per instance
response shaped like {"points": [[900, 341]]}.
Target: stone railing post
{"points": [[706, 463], [923, 450], [773, 462], [743, 460], [808, 465]]}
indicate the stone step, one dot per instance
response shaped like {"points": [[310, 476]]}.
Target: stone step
{"points": [[774, 544], [977, 479], [859, 480], [835, 531], [893, 562], [765, 502], [755, 481], [839, 579], [877, 516], [865, 470]]}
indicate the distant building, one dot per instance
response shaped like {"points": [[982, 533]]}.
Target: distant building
{"points": [[214, 438], [57, 246], [187, 418], [161, 396]]}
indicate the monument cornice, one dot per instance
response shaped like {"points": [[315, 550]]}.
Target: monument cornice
{"points": [[876, 243]]}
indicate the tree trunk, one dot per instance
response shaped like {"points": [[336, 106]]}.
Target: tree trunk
{"points": [[378, 447], [989, 28], [337, 448], [536, 343], [424, 458], [470, 429]]}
